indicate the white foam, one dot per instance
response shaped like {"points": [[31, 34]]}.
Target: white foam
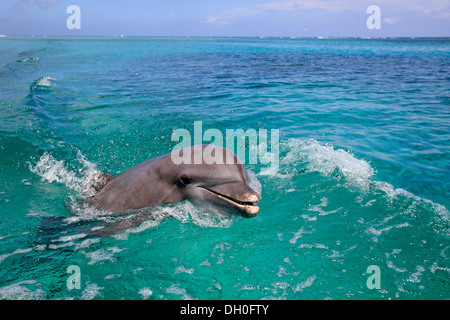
{"points": [[45, 82], [71, 238], [182, 269], [30, 59], [21, 291], [42, 83], [415, 277], [319, 208], [329, 161], [297, 235], [311, 246], [391, 265], [4, 237], [434, 267], [82, 181], [86, 243], [102, 254], [378, 232], [145, 293], [283, 272], [206, 263], [305, 284], [91, 291], [253, 182], [175, 289], [202, 216], [185, 212], [113, 276], [147, 224], [17, 251], [441, 213], [314, 156]]}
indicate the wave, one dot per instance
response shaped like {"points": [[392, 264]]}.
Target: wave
{"points": [[300, 156], [43, 82], [328, 160], [82, 181], [310, 156], [30, 59], [32, 52]]}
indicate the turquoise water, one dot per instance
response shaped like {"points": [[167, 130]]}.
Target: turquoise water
{"points": [[362, 180]]}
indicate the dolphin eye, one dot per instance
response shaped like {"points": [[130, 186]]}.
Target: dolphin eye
{"points": [[185, 180]]}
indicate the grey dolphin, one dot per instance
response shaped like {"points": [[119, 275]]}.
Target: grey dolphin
{"points": [[160, 181]]}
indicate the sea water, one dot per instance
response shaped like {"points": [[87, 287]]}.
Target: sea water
{"points": [[362, 183]]}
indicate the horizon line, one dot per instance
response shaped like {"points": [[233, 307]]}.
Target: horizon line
{"points": [[199, 36]]}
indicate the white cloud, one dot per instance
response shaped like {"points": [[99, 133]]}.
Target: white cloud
{"points": [[214, 20], [400, 8], [430, 6], [39, 2], [389, 20], [284, 6], [330, 5], [281, 6], [237, 13]]}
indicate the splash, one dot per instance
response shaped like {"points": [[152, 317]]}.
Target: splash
{"points": [[43, 82], [203, 216], [253, 182], [30, 59], [312, 156], [185, 212], [83, 181], [328, 160]]}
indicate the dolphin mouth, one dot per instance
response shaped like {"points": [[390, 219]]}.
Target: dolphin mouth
{"points": [[248, 209]]}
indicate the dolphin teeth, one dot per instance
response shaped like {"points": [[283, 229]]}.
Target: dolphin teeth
{"points": [[244, 203]]}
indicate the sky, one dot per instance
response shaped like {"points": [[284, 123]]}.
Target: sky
{"points": [[278, 18]]}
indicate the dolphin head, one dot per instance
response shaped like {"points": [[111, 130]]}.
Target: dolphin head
{"points": [[221, 183]]}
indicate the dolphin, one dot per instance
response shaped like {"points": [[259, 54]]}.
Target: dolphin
{"points": [[162, 180]]}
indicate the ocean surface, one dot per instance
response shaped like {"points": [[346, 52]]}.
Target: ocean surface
{"points": [[363, 179]]}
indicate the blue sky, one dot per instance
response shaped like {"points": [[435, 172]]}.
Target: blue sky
{"points": [[290, 18]]}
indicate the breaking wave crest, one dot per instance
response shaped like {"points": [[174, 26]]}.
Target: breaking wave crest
{"points": [[42, 82], [328, 160], [309, 155], [82, 181]]}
